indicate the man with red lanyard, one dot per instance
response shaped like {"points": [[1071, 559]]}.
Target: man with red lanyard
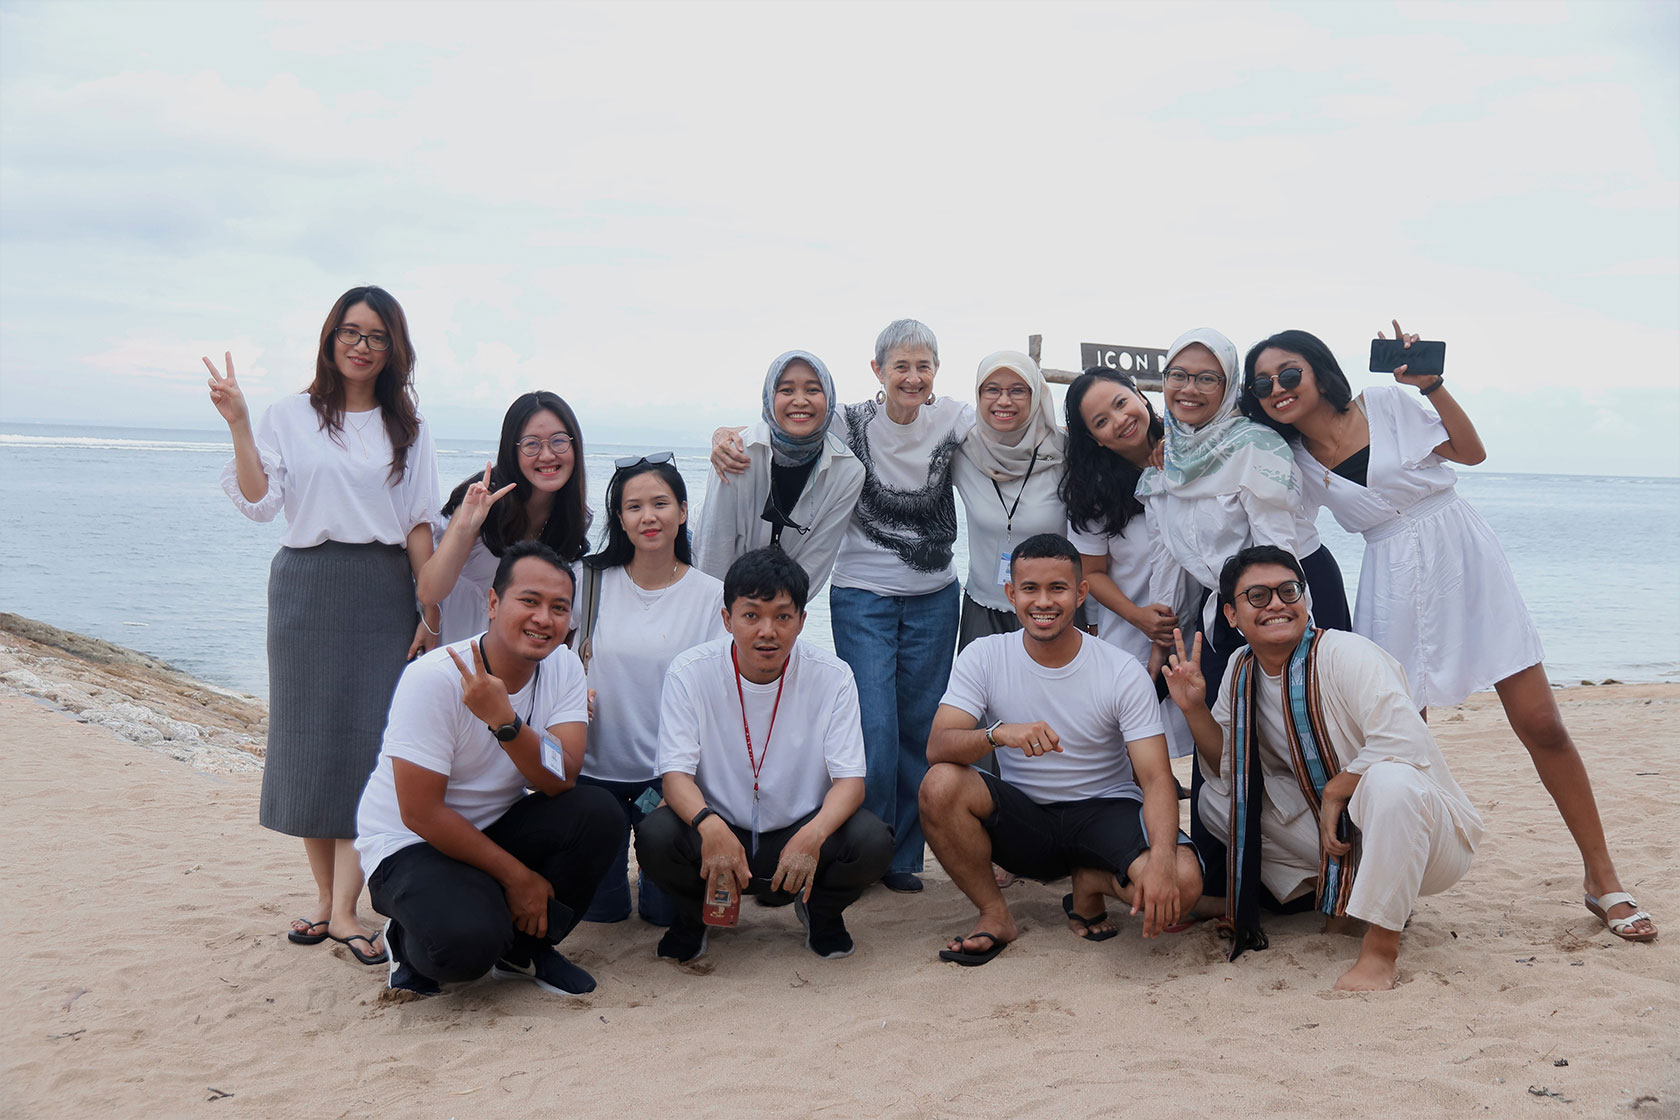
{"points": [[761, 758]]}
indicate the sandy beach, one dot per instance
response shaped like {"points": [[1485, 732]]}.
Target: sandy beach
{"points": [[146, 970]]}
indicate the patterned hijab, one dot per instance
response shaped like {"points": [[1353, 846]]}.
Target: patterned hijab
{"points": [[792, 451], [1006, 456], [1226, 454]]}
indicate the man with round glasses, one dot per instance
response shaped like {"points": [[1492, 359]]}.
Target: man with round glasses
{"points": [[1321, 778]]}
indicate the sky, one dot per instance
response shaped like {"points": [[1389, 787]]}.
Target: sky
{"points": [[638, 206]]}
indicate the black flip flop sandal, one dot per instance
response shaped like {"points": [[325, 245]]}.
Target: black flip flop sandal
{"points": [[381, 957]]}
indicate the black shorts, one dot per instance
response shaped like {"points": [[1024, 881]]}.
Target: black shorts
{"points": [[1050, 841]]}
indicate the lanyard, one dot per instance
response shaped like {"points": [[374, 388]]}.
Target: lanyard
{"points": [[757, 764], [1009, 510]]}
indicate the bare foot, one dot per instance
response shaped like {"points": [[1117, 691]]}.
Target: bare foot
{"points": [[316, 922], [1378, 967], [1346, 926], [992, 920], [1643, 928], [1090, 888], [340, 930]]}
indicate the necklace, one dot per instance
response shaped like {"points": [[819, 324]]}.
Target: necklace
{"points": [[647, 594]]}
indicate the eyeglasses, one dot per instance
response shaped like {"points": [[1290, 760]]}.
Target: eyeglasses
{"points": [[1014, 392], [531, 446], [1289, 591], [1285, 380], [1179, 378], [625, 462], [350, 336]]}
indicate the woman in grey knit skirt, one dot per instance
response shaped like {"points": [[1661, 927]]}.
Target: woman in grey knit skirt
{"points": [[351, 463]]}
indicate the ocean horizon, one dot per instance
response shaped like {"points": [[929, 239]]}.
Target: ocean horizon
{"points": [[124, 534]]}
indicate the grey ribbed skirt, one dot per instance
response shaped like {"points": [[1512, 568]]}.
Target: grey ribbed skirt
{"points": [[340, 621]]}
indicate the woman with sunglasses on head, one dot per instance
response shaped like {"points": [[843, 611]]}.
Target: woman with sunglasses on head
{"points": [[801, 483], [1112, 432], [1435, 590], [351, 463], [539, 471], [893, 596], [1008, 475], [640, 604]]}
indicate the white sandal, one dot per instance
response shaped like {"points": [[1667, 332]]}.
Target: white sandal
{"points": [[1602, 906]]}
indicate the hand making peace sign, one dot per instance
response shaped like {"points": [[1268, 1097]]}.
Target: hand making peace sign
{"points": [[476, 503], [226, 395], [484, 693]]}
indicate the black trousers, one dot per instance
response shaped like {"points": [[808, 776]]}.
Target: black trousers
{"points": [[455, 918], [856, 855]]}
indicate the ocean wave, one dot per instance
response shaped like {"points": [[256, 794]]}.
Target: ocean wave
{"points": [[103, 442]]}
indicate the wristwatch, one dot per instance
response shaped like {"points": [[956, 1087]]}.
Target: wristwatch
{"points": [[991, 742], [508, 732]]}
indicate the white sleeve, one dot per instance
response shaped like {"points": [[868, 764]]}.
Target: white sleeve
{"points": [[1136, 707], [1372, 686], [843, 739], [1418, 431], [1270, 522], [1088, 543], [1169, 583], [679, 727], [419, 484], [829, 520], [274, 469], [425, 714], [718, 539], [966, 689], [568, 702]]}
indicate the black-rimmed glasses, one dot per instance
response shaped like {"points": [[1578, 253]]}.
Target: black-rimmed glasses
{"points": [[1259, 596], [1286, 380], [625, 462], [531, 446], [1179, 378], [350, 336]]}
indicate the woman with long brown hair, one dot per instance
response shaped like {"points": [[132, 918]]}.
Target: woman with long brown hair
{"points": [[351, 463]]}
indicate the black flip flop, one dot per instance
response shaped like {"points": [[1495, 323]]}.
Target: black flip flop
{"points": [[381, 957], [974, 960], [298, 937], [1089, 934]]}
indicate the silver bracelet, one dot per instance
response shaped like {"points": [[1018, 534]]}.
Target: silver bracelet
{"points": [[428, 625]]}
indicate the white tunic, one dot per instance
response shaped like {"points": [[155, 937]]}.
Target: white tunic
{"points": [[1128, 567], [1435, 589], [337, 488], [637, 633], [1197, 535], [731, 521], [992, 533]]}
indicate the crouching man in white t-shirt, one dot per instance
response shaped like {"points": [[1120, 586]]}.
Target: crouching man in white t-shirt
{"points": [[1083, 778], [762, 764], [476, 874]]}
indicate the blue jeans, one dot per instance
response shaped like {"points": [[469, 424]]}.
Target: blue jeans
{"points": [[900, 649], [611, 902]]}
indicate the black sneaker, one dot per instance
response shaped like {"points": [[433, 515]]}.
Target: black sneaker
{"points": [[550, 971], [831, 942], [904, 882], [682, 943], [402, 976]]}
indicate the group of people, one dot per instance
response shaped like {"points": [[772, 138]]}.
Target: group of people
{"points": [[480, 715]]}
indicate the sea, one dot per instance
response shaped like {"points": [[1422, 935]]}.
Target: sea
{"points": [[125, 534]]}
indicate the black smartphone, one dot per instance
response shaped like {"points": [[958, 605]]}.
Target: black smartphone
{"points": [[1422, 357]]}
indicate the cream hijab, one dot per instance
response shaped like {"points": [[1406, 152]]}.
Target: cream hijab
{"points": [[1006, 456]]}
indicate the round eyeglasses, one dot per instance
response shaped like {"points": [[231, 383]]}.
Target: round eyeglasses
{"points": [[350, 336], [531, 446], [1179, 378], [1289, 591], [1013, 392], [1286, 380]]}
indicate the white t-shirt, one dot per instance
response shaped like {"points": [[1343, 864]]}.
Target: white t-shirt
{"points": [[637, 633], [899, 539], [431, 727], [337, 488], [465, 611], [992, 533], [1097, 704], [817, 739]]}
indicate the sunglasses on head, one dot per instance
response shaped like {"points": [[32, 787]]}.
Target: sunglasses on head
{"points": [[625, 462], [1286, 380]]}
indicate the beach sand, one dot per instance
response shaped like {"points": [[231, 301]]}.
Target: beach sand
{"points": [[146, 971]]}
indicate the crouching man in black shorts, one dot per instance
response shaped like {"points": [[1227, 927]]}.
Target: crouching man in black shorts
{"points": [[1083, 777]]}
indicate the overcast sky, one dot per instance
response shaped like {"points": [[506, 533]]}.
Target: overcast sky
{"points": [[638, 205]]}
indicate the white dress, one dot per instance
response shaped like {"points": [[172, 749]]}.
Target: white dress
{"points": [[1435, 590]]}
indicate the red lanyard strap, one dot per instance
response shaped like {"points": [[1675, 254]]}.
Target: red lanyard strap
{"points": [[757, 764]]}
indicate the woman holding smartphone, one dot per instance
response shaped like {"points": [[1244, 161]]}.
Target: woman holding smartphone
{"points": [[350, 462], [535, 490], [1435, 590]]}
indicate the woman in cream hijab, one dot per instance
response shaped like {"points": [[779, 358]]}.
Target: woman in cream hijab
{"points": [[1009, 475]]}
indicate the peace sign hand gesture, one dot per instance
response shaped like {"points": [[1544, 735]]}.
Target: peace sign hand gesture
{"points": [[1183, 674], [476, 503], [226, 395], [484, 694], [1415, 380]]}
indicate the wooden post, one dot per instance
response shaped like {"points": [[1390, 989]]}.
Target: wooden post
{"points": [[1149, 381]]}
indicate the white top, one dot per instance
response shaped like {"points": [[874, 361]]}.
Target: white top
{"points": [[1195, 536], [1098, 703], [992, 536], [637, 633], [1402, 470], [1369, 717], [337, 489], [465, 611], [817, 739], [730, 523], [899, 539], [430, 727]]}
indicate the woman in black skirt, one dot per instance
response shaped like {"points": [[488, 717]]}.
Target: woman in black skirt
{"points": [[351, 463]]}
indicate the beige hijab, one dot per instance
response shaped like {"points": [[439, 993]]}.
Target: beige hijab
{"points": [[1005, 456]]}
